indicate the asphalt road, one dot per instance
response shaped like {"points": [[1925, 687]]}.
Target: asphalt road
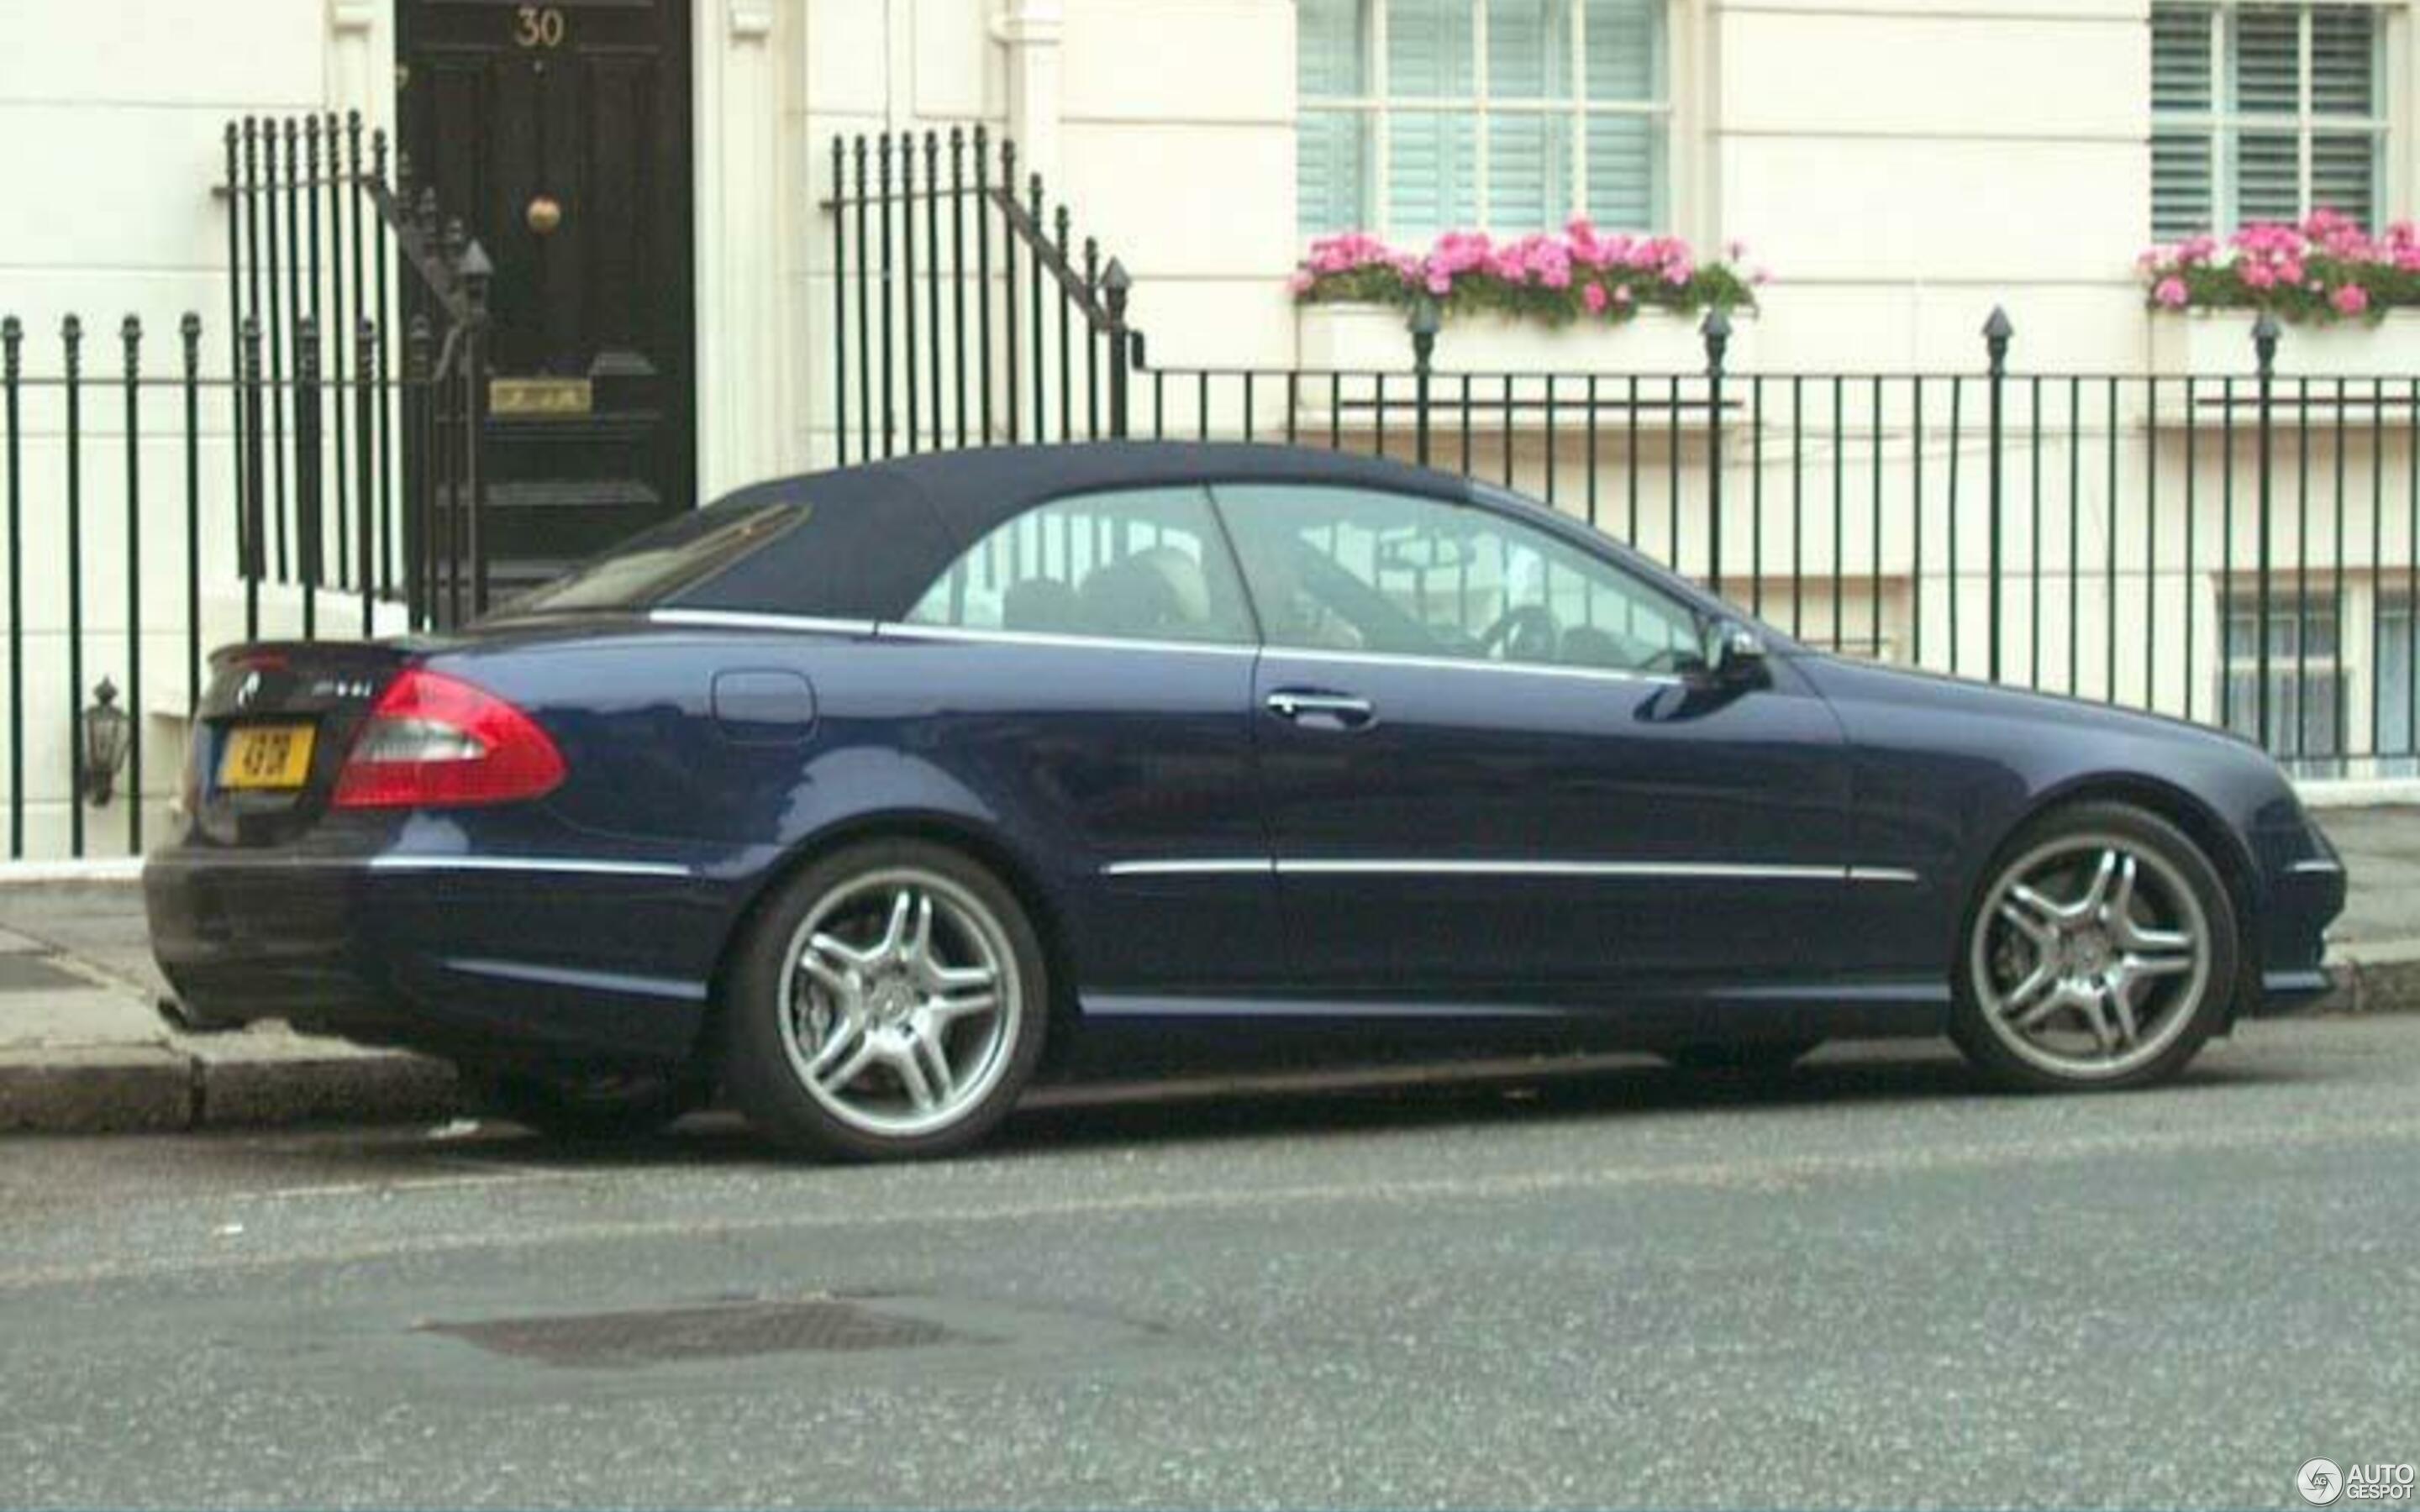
{"points": [[1871, 1284]]}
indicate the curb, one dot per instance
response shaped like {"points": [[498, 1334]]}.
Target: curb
{"points": [[271, 1079], [240, 1082], [2374, 980]]}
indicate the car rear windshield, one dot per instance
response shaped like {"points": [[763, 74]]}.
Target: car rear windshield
{"points": [[650, 568]]}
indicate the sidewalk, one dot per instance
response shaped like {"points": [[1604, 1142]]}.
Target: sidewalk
{"points": [[84, 1049]]}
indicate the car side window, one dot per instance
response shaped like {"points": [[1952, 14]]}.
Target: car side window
{"points": [[1362, 569], [1130, 564]]}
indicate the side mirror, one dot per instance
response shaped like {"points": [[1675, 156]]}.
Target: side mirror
{"points": [[1734, 651]]}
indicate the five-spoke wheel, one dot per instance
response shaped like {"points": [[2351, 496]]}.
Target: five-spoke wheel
{"points": [[2100, 952], [891, 1002]]}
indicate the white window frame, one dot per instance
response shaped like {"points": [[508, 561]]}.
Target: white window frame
{"points": [[2298, 676], [2219, 124], [1379, 107]]}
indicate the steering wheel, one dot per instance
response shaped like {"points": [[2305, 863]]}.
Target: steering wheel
{"points": [[1527, 633]]}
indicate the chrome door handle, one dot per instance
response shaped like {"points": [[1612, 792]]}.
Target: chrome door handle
{"points": [[1297, 705]]}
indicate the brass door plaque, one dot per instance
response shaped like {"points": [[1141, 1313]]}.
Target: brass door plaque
{"points": [[540, 398]]}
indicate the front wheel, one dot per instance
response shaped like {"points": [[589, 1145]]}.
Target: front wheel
{"points": [[890, 1002], [2099, 953]]}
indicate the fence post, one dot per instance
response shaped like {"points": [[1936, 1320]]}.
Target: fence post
{"points": [[418, 476], [251, 512], [1717, 332], [1997, 331], [475, 271], [839, 299], [72, 340], [190, 329], [1116, 285], [130, 334], [2264, 352], [13, 337], [1424, 325], [366, 463], [310, 560]]}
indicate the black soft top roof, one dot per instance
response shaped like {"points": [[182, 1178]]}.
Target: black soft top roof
{"points": [[877, 534]]}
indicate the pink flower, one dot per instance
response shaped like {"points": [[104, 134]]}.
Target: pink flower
{"points": [[1761, 277], [1599, 274], [2170, 293], [1548, 261], [2349, 299], [2257, 275]]}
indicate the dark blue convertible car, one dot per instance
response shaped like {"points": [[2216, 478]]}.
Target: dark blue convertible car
{"points": [[867, 795]]}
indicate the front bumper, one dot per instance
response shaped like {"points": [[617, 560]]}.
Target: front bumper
{"points": [[2304, 896], [458, 956]]}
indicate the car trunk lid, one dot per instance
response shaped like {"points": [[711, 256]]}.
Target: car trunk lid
{"points": [[273, 732]]}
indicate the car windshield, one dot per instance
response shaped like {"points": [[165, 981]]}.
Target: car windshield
{"points": [[659, 564]]}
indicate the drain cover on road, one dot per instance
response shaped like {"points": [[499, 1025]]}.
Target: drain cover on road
{"points": [[717, 1332]]}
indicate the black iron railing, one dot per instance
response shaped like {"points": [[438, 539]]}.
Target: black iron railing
{"points": [[311, 468], [318, 234], [964, 314], [139, 535], [2235, 548]]}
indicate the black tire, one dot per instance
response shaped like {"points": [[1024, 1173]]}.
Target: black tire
{"points": [[1747, 1056], [759, 1065], [590, 1107], [2186, 1021]]}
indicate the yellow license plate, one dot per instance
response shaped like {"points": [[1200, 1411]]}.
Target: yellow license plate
{"points": [[266, 756]]}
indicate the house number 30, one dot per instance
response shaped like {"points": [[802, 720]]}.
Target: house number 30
{"points": [[537, 26]]}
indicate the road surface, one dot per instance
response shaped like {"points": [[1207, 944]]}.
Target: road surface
{"points": [[1872, 1283]]}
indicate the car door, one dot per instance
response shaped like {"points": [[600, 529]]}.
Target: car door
{"points": [[1084, 672], [1493, 771]]}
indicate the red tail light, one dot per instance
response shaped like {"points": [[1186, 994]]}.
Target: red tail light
{"points": [[434, 741]]}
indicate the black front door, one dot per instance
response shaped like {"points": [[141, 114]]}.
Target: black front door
{"points": [[560, 134]]}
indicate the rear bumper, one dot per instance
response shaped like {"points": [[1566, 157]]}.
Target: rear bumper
{"points": [[474, 958]]}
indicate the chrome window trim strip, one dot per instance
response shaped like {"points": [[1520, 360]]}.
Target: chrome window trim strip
{"points": [[1882, 873], [1470, 664], [1746, 871], [555, 864], [1751, 870], [1235, 866], [719, 619], [902, 630]]}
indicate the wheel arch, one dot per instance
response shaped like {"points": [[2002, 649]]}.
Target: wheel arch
{"points": [[935, 826], [2201, 824]]}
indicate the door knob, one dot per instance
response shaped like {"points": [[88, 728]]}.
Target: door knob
{"points": [[544, 214]]}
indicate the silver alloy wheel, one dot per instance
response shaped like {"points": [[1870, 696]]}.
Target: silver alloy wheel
{"points": [[900, 1001], [2089, 956]]}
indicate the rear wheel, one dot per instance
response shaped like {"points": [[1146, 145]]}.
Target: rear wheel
{"points": [[888, 1002], [2099, 953]]}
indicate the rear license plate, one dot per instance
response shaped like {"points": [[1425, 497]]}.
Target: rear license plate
{"points": [[266, 756]]}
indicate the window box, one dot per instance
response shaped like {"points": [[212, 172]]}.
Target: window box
{"points": [[2218, 344], [1376, 338]]}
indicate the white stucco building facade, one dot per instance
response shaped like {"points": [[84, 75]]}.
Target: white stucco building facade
{"points": [[1900, 167]]}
